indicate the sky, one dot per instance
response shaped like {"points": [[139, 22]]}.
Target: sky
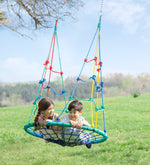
{"points": [[125, 42]]}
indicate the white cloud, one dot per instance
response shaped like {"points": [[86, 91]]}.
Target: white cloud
{"points": [[147, 22], [127, 13], [19, 70], [145, 39]]}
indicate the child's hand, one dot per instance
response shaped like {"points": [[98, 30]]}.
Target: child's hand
{"points": [[73, 123], [48, 120], [79, 125]]}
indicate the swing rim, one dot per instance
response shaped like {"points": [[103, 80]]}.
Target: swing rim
{"points": [[39, 135]]}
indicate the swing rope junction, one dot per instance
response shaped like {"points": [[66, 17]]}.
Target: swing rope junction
{"points": [[71, 136]]}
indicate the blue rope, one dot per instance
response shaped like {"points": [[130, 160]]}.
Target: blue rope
{"points": [[48, 86], [102, 83], [37, 97], [84, 61], [79, 79], [98, 87]]}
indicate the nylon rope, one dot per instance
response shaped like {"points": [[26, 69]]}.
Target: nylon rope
{"points": [[101, 74], [47, 63], [60, 68], [40, 85], [92, 119], [52, 57], [101, 6], [80, 73]]}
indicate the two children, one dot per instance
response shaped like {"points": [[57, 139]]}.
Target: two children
{"points": [[46, 114]]}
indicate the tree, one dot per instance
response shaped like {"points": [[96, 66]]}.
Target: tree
{"points": [[2, 17], [36, 14]]}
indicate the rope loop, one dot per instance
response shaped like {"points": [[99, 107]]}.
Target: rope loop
{"points": [[94, 59]]}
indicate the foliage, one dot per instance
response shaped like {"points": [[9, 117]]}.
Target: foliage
{"points": [[37, 14], [114, 85], [127, 123], [2, 17], [136, 94]]}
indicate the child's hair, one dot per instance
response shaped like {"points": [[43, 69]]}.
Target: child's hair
{"points": [[43, 104], [77, 105]]}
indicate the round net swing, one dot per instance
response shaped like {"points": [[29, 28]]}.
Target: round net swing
{"points": [[69, 136]]}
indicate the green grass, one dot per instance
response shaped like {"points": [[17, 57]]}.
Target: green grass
{"points": [[128, 129]]}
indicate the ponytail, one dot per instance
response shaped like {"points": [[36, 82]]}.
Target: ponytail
{"points": [[43, 104]]}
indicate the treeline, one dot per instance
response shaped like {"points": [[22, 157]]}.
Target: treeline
{"points": [[115, 84]]}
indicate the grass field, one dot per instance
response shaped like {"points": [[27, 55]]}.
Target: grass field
{"points": [[128, 129]]}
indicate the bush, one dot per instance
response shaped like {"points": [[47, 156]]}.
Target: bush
{"points": [[136, 94]]}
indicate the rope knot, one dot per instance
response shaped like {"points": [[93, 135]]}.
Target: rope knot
{"points": [[98, 70], [85, 60], [101, 63], [46, 62], [61, 73]]}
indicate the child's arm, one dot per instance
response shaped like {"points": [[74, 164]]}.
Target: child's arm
{"points": [[56, 116], [78, 125], [73, 123], [81, 123], [43, 121], [66, 119], [57, 129]]}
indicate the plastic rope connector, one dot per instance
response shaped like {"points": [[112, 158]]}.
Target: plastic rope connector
{"points": [[90, 99], [95, 58], [61, 73], [98, 70], [40, 96], [70, 98], [48, 86], [102, 84], [78, 79], [34, 102], [58, 119], [85, 60], [44, 79], [103, 107], [46, 62], [55, 28], [93, 77], [101, 63], [63, 91], [40, 82], [98, 89]]}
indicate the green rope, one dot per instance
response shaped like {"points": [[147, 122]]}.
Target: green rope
{"points": [[97, 109], [60, 67], [36, 98]]}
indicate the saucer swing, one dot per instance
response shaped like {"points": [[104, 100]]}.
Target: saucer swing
{"points": [[71, 136]]}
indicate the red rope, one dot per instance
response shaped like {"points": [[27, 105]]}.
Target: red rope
{"points": [[94, 59], [52, 57], [61, 73], [46, 63]]}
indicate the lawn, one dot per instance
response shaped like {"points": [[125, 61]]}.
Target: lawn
{"points": [[128, 129]]}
